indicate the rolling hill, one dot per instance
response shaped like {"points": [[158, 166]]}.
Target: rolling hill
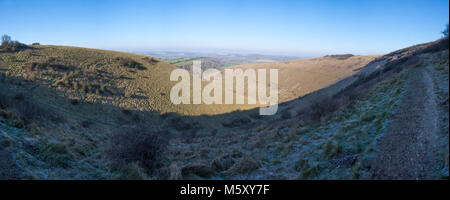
{"points": [[72, 113], [304, 76]]}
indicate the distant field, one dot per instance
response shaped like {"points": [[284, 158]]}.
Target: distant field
{"points": [[216, 60]]}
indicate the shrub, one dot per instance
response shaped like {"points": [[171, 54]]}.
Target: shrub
{"points": [[442, 44], [306, 168], [323, 107], [9, 45], [56, 154], [201, 169], [30, 112], [331, 149], [130, 63], [2, 78], [128, 94], [142, 144], [245, 165], [86, 123], [19, 97], [126, 111], [180, 124], [74, 102], [175, 172], [27, 110], [237, 122], [286, 114], [352, 95], [150, 60]]}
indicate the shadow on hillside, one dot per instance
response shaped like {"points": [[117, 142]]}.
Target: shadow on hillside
{"points": [[114, 116], [101, 116]]}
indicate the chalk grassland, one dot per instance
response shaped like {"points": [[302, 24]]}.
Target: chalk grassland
{"points": [[328, 138], [76, 113], [145, 85], [301, 77], [63, 104], [123, 80]]}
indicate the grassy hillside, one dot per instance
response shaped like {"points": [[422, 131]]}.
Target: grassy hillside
{"points": [[95, 76], [76, 113], [133, 82], [301, 77], [339, 137], [123, 80]]}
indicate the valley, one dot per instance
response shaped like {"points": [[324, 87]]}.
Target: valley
{"points": [[78, 113]]}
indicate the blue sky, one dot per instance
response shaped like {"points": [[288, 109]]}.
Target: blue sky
{"points": [[301, 28]]}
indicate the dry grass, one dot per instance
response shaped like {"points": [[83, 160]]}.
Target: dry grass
{"points": [[99, 91], [143, 145], [301, 77]]}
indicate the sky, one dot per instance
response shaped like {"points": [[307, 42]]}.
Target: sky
{"points": [[296, 28]]}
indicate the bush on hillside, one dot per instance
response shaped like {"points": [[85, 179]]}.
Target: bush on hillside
{"points": [[143, 144], [130, 63], [323, 107], [150, 60], [27, 111], [237, 122], [10, 45]]}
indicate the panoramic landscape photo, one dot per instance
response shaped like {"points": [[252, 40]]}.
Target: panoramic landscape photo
{"points": [[224, 90]]}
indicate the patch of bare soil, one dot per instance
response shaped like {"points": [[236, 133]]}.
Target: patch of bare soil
{"points": [[409, 149]]}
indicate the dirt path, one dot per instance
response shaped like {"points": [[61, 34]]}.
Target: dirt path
{"points": [[409, 149]]}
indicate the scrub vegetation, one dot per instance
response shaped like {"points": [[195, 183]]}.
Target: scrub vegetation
{"points": [[77, 113]]}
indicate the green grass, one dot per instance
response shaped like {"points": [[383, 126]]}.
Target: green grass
{"points": [[356, 129], [179, 60]]}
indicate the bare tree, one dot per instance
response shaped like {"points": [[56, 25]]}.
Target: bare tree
{"points": [[6, 39], [445, 32]]}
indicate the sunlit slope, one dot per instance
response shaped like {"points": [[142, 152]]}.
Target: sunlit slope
{"points": [[300, 77], [123, 80], [135, 82]]}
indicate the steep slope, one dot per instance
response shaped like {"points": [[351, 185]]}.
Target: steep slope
{"points": [[8, 167], [389, 121], [129, 81], [300, 77], [62, 107], [56, 75], [407, 150], [416, 146]]}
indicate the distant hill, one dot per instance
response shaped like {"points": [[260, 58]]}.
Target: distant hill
{"points": [[303, 76], [216, 60]]}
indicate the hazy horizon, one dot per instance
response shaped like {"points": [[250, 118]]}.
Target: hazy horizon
{"points": [[291, 28]]}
